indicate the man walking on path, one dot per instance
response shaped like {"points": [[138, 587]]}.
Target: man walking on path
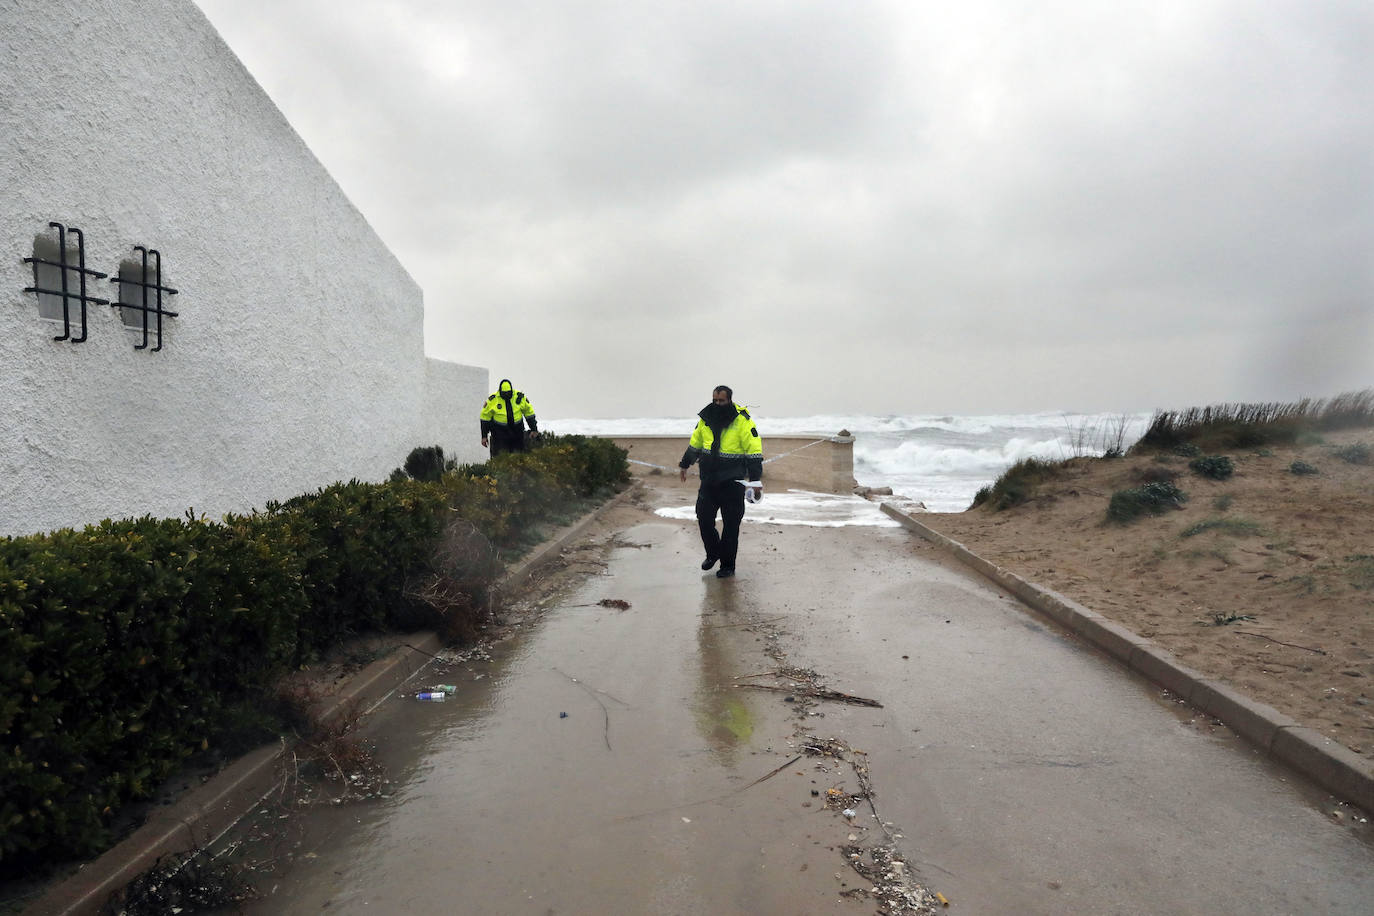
{"points": [[727, 444], [503, 419]]}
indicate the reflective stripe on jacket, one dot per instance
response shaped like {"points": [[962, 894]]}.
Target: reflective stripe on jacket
{"points": [[495, 416], [740, 456]]}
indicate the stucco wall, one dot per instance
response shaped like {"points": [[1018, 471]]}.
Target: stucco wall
{"points": [[452, 419], [297, 358]]}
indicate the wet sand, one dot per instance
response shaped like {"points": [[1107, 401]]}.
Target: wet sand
{"points": [[1013, 769]]}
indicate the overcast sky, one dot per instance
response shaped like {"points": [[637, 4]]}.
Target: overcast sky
{"points": [[856, 207]]}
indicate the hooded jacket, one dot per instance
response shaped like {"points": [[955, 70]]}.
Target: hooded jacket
{"points": [[727, 444], [506, 411]]}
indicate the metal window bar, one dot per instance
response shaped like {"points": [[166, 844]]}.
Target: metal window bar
{"points": [[65, 294], [157, 287]]}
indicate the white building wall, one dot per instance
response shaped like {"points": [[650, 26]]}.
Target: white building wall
{"points": [[454, 421], [297, 358]]}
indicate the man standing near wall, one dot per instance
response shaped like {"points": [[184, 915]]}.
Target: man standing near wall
{"points": [[503, 419], [727, 444]]}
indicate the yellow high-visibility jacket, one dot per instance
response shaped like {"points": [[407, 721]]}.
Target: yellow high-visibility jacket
{"points": [[740, 452], [506, 412]]}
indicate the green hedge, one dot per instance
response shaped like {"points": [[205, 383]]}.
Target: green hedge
{"points": [[126, 647]]}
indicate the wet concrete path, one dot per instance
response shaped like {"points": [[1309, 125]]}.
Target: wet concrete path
{"points": [[1020, 772]]}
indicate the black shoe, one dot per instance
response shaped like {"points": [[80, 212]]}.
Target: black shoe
{"points": [[708, 562], [725, 572]]}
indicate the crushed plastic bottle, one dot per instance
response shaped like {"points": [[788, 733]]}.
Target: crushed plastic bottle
{"points": [[433, 695], [449, 689]]}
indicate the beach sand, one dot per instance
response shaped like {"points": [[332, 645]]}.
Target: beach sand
{"points": [[1290, 566]]}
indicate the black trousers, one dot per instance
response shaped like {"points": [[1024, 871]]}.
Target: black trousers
{"points": [[727, 498], [506, 442]]}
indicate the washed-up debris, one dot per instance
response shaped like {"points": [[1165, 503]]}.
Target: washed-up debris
{"points": [[190, 882], [744, 625], [804, 682], [1282, 643], [435, 696], [714, 798], [771, 773], [605, 713], [819, 693], [619, 604], [478, 653], [891, 881], [1221, 619], [893, 885]]}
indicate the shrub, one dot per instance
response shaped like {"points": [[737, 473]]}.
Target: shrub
{"points": [[1301, 468], [1149, 499], [1217, 467], [358, 543], [596, 464], [456, 593], [425, 463], [1354, 453], [1017, 483], [1186, 450], [122, 647]]}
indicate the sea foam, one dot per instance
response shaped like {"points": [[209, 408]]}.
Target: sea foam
{"points": [[938, 460]]}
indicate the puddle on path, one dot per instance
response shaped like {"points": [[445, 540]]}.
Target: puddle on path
{"points": [[600, 761]]}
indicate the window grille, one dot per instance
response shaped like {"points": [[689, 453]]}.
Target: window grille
{"points": [[134, 296], [53, 281]]}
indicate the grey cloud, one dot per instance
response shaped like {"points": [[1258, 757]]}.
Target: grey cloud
{"points": [[976, 204]]}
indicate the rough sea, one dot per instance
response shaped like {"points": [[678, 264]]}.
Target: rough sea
{"points": [[940, 461]]}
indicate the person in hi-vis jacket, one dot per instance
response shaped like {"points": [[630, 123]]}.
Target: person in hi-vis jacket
{"points": [[503, 419], [727, 446]]}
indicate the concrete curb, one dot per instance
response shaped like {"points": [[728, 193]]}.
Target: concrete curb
{"points": [[207, 812], [1329, 764], [521, 573]]}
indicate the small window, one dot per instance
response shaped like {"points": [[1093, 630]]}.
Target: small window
{"points": [[143, 295], [48, 276], [60, 280], [132, 308]]}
